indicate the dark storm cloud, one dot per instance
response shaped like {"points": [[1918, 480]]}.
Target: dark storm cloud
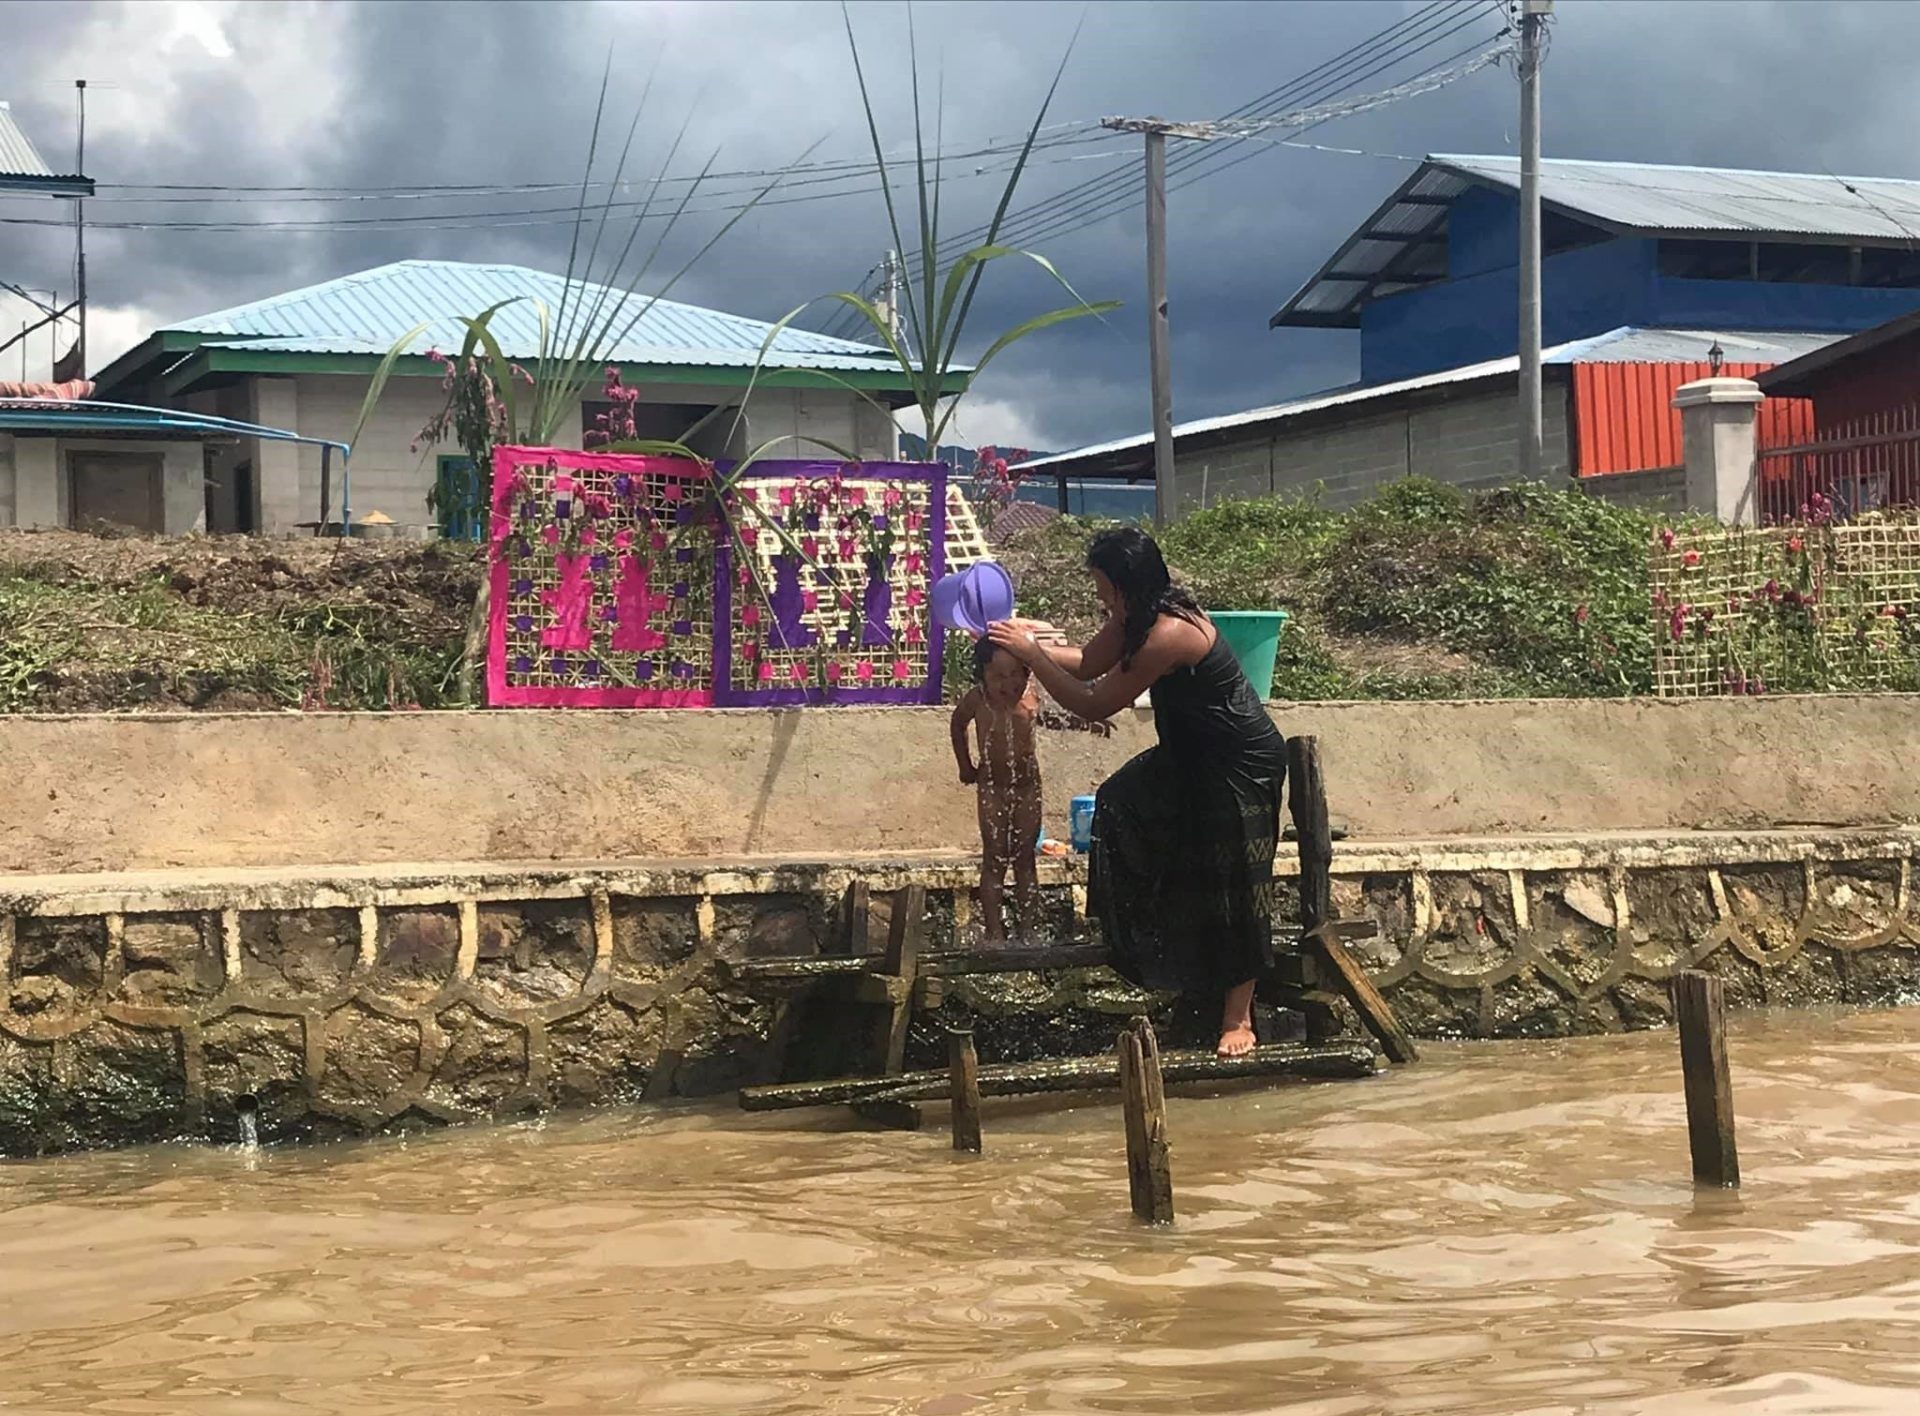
{"points": [[385, 94]]}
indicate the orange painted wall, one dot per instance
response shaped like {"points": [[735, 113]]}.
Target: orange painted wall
{"points": [[1624, 419]]}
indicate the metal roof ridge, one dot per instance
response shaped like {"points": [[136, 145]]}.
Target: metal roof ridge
{"points": [[1615, 164]]}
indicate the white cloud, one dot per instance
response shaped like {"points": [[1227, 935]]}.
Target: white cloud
{"points": [[996, 421], [196, 22]]}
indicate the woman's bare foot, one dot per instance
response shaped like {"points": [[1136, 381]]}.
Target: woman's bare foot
{"points": [[1236, 1041], [1236, 1022]]}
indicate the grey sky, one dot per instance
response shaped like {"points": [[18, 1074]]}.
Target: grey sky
{"points": [[383, 94]]}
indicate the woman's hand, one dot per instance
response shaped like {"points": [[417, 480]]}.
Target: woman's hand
{"points": [[1018, 638], [1041, 630]]}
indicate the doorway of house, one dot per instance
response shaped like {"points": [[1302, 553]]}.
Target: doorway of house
{"points": [[122, 490]]}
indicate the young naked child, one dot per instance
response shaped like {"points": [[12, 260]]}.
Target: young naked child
{"points": [[1002, 706]]}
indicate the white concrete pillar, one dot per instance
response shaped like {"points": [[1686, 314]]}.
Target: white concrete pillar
{"points": [[37, 499], [276, 465], [1717, 430]]}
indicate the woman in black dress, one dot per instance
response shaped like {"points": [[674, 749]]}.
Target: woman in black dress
{"points": [[1184, 835]]}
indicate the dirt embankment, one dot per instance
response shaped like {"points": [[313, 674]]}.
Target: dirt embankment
{"points": [[92, 623]]}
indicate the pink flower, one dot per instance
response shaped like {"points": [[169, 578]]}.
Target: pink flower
{"points": [[658, 540], [749, 536], [894, 496], [810, 547], [834, 671], [809, 601], [1690, 558], [675, 492], [1795, 545], [550, 534], [562, 485], [864, 672], [766, 671], [750, 615], [915, 563], [915, 634], [846, 600], [750, 649], [1666, 537], [902, 670], [588, 536], [786, 496], [916, 596], [622, 539], [857, 496], [846, 548], [798, 672]]}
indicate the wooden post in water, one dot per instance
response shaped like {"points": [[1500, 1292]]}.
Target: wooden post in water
{"points": [[1313, 834], [964, 1064], [1700, 1009], [1143, 1100]]}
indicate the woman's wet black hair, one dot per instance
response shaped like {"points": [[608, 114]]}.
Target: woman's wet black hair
{"points": [[1128, 557]]}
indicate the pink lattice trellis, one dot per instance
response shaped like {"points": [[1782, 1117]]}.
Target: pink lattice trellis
{"points": [[613, 588], [602, 587]]}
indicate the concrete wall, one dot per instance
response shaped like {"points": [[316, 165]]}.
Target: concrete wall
{"points": [[129, 792], [1656, 489], [34, 491], [1470, 440], [390, 475]]}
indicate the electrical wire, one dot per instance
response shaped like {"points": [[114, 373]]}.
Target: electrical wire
{"points": [[1098, 198]]}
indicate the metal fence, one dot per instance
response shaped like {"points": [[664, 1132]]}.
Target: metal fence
{"points": [[1868, 464]]}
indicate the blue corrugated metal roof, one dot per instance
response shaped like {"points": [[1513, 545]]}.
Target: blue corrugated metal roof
{"points": [[64, 417], [22, 169], [1401, 246], [366, 313]]}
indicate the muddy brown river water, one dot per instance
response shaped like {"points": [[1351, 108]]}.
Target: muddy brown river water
{"points": [[1503, 1228]]}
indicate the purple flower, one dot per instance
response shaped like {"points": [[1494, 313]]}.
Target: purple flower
{"points": [[623, 485], [610, 615], [599, 563], [562, 508], [523, 586], [812, 521], [683, 555], [683, 514], [528, 511], [680, 588], [591, 669], [682, 669], [522, 664], [683, 626], [523, 623], [842, 638], [879, 523], [559, 666], [642, 669]]}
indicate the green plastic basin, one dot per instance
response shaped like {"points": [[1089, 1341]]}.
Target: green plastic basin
{"points": [[1253, 636]]}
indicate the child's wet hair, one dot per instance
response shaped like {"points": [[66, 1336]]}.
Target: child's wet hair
{"points": [[983, 651]]}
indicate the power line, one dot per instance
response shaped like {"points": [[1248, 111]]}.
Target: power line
{"points": [[1099, 197], [1191, 165], [523, 216]]}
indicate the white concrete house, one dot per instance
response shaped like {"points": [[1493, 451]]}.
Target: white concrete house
{"points": [[303, 361]]}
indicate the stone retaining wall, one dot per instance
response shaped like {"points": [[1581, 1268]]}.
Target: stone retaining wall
{"points": [[354, 999]]}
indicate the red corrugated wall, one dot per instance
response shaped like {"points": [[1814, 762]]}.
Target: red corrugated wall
{"points": [[1624, 419]]}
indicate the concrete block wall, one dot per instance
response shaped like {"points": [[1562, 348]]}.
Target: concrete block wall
{"points": [[1468, 441], [1658, 489], [34, 492]]}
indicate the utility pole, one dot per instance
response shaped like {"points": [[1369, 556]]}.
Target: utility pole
{"points": [[1533, 23], [80, 226], [1159, 356], [1159, 334], [890, 283]]}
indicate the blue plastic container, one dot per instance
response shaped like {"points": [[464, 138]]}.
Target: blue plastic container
{"points": [[1080, 825]]}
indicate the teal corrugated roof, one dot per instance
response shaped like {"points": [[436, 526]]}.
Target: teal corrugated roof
{"points": [[366, 313]]}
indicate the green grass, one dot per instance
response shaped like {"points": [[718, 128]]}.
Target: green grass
{"points": [[1422, 592]]}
